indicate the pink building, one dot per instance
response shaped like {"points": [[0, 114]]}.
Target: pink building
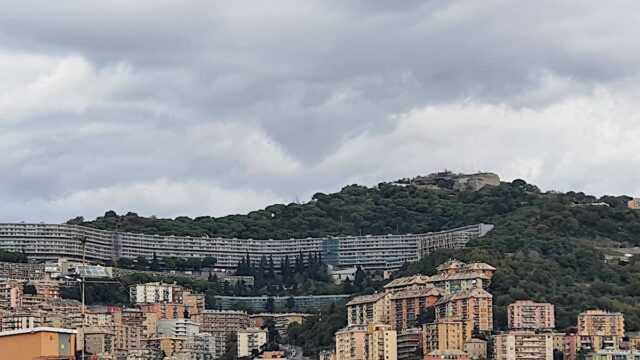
{"points": [[529, 315]]}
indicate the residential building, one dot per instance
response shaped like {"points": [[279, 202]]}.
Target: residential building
{"points": [[529, 315], [406, 307], [350, 343], [224, 321], [599, 329], [281, 321], [99, 341], [474, 307], [177, 328], [614, 355], [47, 289], [21, 271], [361, 310], [194, 300], [381, 342], [167, 310], [447, 355], [169, 345], [259, 303], [517, 345], [43, 242], [445, 334], [150, 293], [11, 293], [409, 343], [570, 346], [38, 343], [452, 276], [340, 274], [251, 339], [476, 349], [214, 344], [634, 203]]}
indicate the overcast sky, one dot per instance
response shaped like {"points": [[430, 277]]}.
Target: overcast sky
{"points": [[195, 108]]}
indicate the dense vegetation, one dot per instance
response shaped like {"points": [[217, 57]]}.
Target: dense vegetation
{"points": [[545, 245]]}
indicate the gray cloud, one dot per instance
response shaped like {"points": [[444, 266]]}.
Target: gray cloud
{"points": [[172, 108]]}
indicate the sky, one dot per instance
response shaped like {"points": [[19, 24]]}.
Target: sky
{"points": [[193, 108]]}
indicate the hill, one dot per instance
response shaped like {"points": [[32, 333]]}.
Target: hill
{"points": [[545, 245]]}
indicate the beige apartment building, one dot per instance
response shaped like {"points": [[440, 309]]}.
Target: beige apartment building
{"points": [[251, 339], [517, 345], [225, 321], [445, 334], [381, 342], [476, 349], [599, 329], [529, 315], [474, 307], [350, 343], [362, 310], [372, 342]]}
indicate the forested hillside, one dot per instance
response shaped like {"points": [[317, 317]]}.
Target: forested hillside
{"points": [[545, 246]]}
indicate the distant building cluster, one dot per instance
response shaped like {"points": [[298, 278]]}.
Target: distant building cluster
{"points": [[166, 322], [49, 242], [450, 316]]}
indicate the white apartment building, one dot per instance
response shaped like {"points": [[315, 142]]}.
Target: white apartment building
{"points": [[150, 293], [177, 328], [251, 339], [43, 242]]}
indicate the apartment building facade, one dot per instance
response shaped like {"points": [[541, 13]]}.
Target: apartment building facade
{"points": [[372, 252], [517, 345], [250, 339], [222, 321], [361, 310], [529, 315], [599, 329], [474, 307], [406, 307]]}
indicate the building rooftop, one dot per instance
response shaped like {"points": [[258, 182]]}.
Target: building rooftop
{"points": [[419, 292], [365, 299], [477, 292], [38, 329], [409, 280]]}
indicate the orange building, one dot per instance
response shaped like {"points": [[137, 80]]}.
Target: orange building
{"points": [[38, 343], [167, 310], [405, 306]]}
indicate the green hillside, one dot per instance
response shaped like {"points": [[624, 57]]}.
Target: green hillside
{"points": [[544, 245]]}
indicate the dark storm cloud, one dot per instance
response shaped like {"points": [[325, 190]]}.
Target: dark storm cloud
{"points": [[173, 107]]}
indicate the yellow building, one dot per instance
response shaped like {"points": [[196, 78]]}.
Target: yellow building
{"points": [[445, 334], [350, 343], [376, 341], [38, 343], [250, 339], [381, 342], [599, 329], [517, 345]]}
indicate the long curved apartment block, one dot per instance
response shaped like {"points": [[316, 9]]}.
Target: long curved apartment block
{"points": [[42, 242]]}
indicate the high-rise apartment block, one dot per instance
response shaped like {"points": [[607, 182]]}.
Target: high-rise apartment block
{"points": [[529, 315], [150, 293], [371, 252], [445, 334], [407, 306], [361, 310], [599, 329], [474, 307], [372, 342]]}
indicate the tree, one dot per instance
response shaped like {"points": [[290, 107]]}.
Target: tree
{"points": [[209, 262], [291, 303], [269, 306]]}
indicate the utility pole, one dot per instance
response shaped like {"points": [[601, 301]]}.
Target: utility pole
{"points": [[83, 241]]}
